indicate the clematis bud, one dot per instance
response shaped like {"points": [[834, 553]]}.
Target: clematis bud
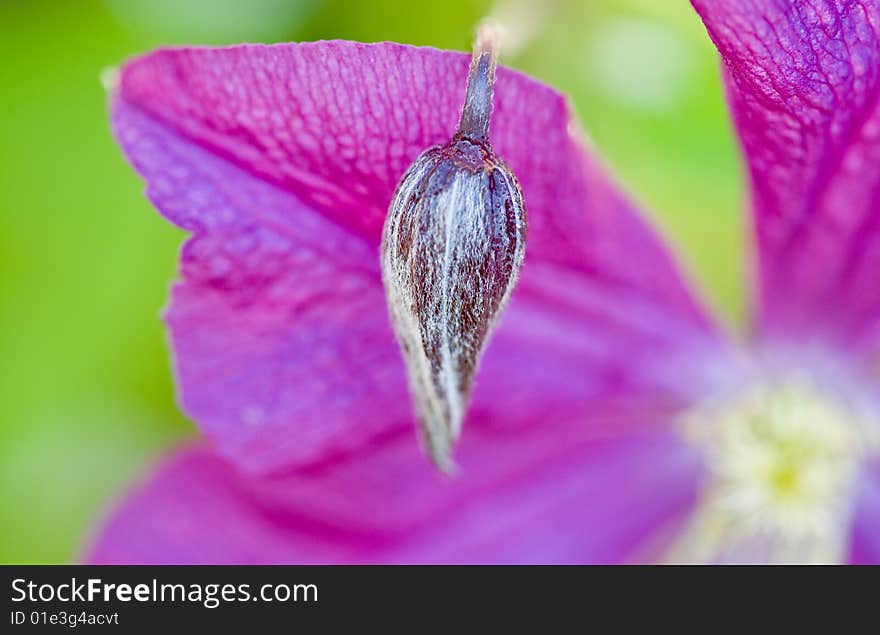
{"points": [[452, 247]]}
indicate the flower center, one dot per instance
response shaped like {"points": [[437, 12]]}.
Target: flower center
{"points": [[783, 460]]}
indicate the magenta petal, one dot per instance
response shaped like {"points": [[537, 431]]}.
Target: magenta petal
{"points": [[865, 538], [336, 124], [544, 499], [804, 80], [282, 345], [281, 160]]}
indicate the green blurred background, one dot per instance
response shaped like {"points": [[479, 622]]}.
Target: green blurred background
{"points": [[85, 263]]}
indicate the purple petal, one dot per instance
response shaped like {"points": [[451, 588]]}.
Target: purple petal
{"points": [[281, 160], [279, 328], [547, 499], [804, 81], [865, 538]]}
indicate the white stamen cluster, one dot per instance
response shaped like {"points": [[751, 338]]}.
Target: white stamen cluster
{"points": [[783, 460]]}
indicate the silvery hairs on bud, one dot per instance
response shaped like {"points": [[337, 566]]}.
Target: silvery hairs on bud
{"points": [[452, 247]]}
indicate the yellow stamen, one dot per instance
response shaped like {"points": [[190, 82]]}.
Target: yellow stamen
{"points": [[783, 460]]}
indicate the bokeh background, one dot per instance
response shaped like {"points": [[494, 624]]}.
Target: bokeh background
{"points": [[86, 395]]}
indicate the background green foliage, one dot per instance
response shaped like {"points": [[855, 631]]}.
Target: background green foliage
{"points": [[85, 387]]}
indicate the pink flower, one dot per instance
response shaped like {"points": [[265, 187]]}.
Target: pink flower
{"points": [[612, 419]]}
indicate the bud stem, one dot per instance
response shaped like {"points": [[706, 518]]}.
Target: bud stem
{"points": [[481, 78]]}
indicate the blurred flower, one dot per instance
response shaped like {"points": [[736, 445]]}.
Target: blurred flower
{"points": [[615, 57], [520, 21], [612, 420]]}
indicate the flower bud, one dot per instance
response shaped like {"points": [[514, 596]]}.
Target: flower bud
{"points": [[452, 247]]}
